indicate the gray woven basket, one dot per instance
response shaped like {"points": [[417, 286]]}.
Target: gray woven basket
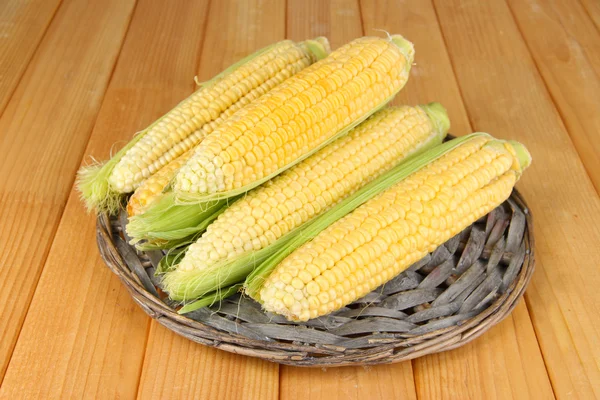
{"points": [[449, 298]]}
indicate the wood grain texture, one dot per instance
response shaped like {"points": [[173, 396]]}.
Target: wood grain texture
{"points": [[505, 95], [82, 321], [378, 382], [337, 20], [177, 368], [251, 25], [431, 76], [43, 133], [565, 46], [432, 79], [381, 382], [85, 338], [505, 363], [22, 26]]}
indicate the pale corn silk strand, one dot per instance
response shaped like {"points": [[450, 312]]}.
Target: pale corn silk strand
{"points": [[228, 163], [386, 139], [349, 258], [183, 127]]}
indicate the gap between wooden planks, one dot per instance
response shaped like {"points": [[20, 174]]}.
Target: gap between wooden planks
{"points": [[44, 130], [234, 29], [22, 27], [495, 69]]}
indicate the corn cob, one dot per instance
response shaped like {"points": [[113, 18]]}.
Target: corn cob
{"points": [[272, 211], [190, 121], [388, 233], [151, 189], [294, 120]]}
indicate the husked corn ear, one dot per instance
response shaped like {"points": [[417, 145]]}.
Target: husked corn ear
{"points": [[198, 115], [190, 121], [388, 233], [318, 183], [152, 188], [295, 119]]}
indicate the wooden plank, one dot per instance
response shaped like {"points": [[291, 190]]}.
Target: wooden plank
{"points": [[341, 22], [22, 26], [43, 132], [433, 80], [337, 20], [234, 30], [505, 95], [483, 369], [82, 322], [379, 382], [565, 46], [181, 369]]}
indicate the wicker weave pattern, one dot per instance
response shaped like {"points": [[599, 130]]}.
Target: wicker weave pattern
{"points": [[447, 299]]}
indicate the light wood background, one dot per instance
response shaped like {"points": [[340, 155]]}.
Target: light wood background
{"points": [[77, 76]]}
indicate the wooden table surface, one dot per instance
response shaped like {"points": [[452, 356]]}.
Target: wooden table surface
{"points": [[77, 76]]}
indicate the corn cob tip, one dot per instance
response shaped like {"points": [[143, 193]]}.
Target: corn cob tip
{"points": [[522, 157], [319, 47], [94, 189], [522, 153], [406, 48], [325, 42], [438, 116], [178, 282]]}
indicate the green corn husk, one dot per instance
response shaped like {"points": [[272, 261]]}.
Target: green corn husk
{"points": [[186, 285], [169, 261], [167, 225], [211, 298]]}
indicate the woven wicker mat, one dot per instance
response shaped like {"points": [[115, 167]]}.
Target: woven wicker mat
{"points": [[443, 301]]}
